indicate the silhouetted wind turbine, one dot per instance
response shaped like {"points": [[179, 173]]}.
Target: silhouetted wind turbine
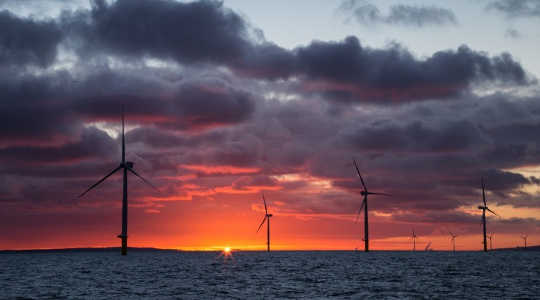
{"points": [[524, 237], [266, 216], [453, 238], [414, 240], [484, 208], [490, 237], [125, 166], [364, 206], [428, 247]]}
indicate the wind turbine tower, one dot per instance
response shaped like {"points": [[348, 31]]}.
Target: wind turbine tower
{"points": [[414, 240], [125, 166], [524, 237], [453, 238], [267, 217], [484, 208], [364, 206], [490, 237]]}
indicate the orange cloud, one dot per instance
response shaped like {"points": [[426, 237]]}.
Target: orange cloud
{"points": [[223, 169]]}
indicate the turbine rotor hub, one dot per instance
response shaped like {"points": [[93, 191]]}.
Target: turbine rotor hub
{"points": [[129, 164], [269, 215]]}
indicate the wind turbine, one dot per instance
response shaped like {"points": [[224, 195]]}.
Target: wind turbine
{"points": [[453, 238], [484, 208], [414, 240], [364, 206], [125, 166], [524, 237], [490, 237], [266, 216], [428, 247]]}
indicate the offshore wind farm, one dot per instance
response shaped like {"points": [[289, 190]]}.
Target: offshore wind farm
{"points": [[390, 147]]}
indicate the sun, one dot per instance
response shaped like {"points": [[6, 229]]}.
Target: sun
{"points": [[227, 253]]}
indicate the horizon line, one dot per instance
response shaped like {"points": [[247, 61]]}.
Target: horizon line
{"points": [[217, 249]]}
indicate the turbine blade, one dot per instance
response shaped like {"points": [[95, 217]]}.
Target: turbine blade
{"points": [[451, 233], [123, 138], [492, 211], [145, 181], [264, 219], [264, 201], [483, 191], [100, 181], [359, 175], [360, 210], [384, 194]]}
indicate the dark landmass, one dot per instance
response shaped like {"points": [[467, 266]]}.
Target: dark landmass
{"points": [[529, 248], [104, 249]]}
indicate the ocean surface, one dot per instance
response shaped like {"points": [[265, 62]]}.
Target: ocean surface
{"points": [[258, 275]]}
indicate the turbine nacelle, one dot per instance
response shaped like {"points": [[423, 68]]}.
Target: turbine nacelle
{"points": [[482, 207], [128, 164], [269, 215]]}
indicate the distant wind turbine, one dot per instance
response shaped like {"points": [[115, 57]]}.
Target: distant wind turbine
{"points": [[524, 237], [428, 247], [453, 238], [490, 237], [364, 206], [414, 240], [267, 216], [125, 166], [484, 208]]}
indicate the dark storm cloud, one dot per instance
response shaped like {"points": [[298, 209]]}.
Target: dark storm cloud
{"points": [[156, 138], [207, 33], [415, 137], [32, 108], [408, 15], [266, 61], [527, 131], [190, 107], [27, 41], [50, 108], [207, 106], [349, 72], [433, 161], [395, 73], [516, 8], [198, 32], [94, 143], [505, 181]]}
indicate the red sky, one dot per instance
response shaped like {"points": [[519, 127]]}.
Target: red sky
{"points": [[212, 219]]}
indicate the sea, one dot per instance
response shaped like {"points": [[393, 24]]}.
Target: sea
{"points": [[157, 274]]}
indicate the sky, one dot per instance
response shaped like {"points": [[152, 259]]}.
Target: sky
{"points": [[227, 100]]}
